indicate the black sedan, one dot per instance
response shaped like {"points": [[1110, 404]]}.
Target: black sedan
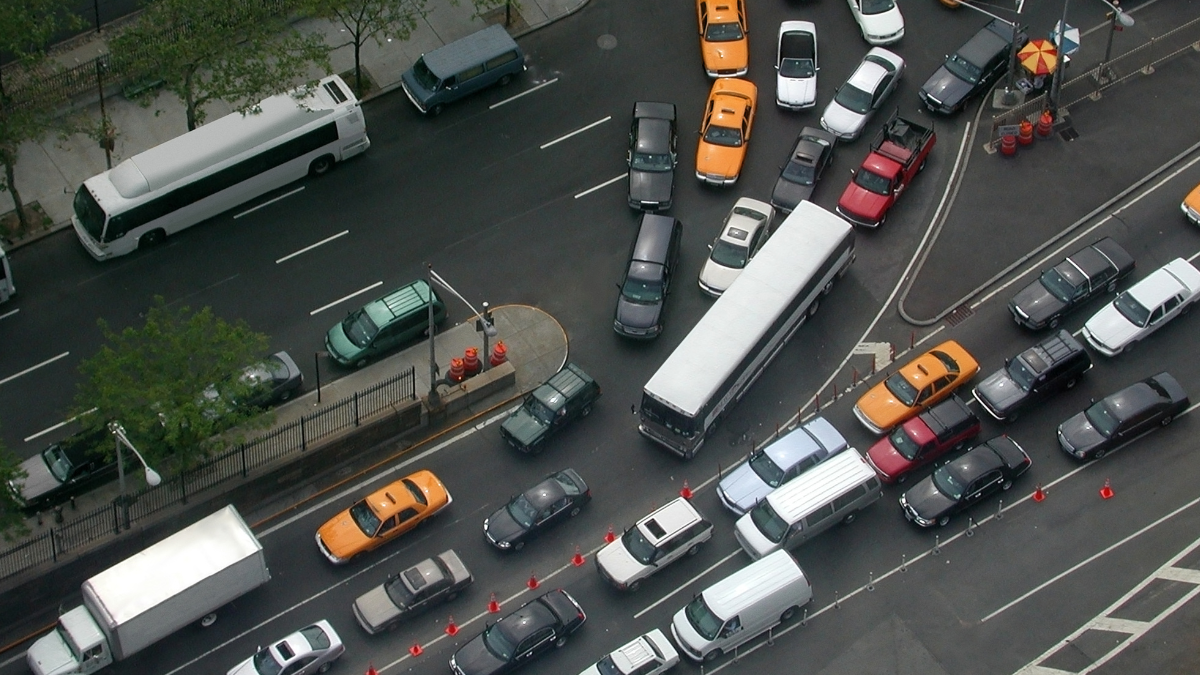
{"points": [[1083, 275], [1122, 416], [812, 153], [971, 69], [559, 497], [538, 625], [652, 156], [961, 483]]}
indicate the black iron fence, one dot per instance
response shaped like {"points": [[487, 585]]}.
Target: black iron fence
{"points": [[292, 438]]}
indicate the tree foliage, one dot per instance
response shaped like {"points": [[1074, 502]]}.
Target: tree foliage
{"points": [[153, 380], [229, 50], [369, 19], [12, 520]]}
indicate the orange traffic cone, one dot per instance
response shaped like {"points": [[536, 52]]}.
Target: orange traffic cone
{"points": [[1106, 492], [451, 627], [416, 650], [533, 582], [1045, 125], [1038, 494], [371, 670], [1025, 133], [577, 559], [686, 492], [499, 354], [493, 606], [609, 537], [471, 364], [1008, 145]]}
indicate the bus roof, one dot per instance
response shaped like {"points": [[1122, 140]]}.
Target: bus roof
{"points": [[224, 139], [719, 342]]}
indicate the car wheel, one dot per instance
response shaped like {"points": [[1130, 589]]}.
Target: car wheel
{"points": [[325, 667], [902, 478], [634, 585], [828, 288], [1112, 286], [922, 167], [574, 512], [694, 549], [518, 546], [849, 518], [1053, 323], [712, 656], [152, 238], [285, 395], [360, 363], [560, 642], [1006, 485], [812, 309], [1071, 383], [587, 410], [451, 597], [1165, 421], [320, 166], [943, 521], [504, 80], [208, 619], [1100, 453], [788, 614], [435, 110], [1128, 348]]}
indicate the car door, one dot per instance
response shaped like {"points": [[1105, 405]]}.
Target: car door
{"points": [[741, 5], [299, 666], [406, 520], [553, 513], [534, 644], [702, 16], [982, 487]]}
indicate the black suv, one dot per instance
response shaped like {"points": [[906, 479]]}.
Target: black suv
{"points": [[1050, 366], [647, 281], [971, 69], [651, 156]]}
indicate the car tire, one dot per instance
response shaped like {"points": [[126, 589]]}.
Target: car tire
{"points": [[1053, 323], [850, 518], [634, 585], [435, 110], [694, 549], [208, 619], [1006, 485], [713, 655], [943, 521], [320, 166], [574, 512], [1128, 348], [1099, 454], [1165, 421], [152, 238], [788, 614], [812, 309], [1112, 286], [560, 642], [285, 395], [360, 363], [587, 410], [451, 597], [518, 546], [828, 288], [1071, 383], [504, 80], [325, 667]]}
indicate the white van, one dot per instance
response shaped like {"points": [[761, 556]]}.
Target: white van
{"points": [[800, 509], [741, 606]]}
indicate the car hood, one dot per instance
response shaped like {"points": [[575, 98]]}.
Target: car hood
{"points": [[340, 347], [1037, 303], [787, 194], [650, 186], [636, 314], [884, 23], [946, 88], [1080, 433], [882, 408], [474, 658], [796, 91], [523, 427], [725, 55], [843, 121], [1110, 328], [51, 655], [502, 527], [38, 480], [887, 459], [244, 668], [376, 608], [927, 500], [744, 488], [861, 202], [618, 564], [1000, 392], [718, 277], [342, 536], [719, 159]]}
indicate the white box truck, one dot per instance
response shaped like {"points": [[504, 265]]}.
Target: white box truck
{"points": [[143, 599]]}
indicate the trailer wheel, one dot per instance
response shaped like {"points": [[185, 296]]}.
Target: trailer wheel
{"points": [[208, 619]]}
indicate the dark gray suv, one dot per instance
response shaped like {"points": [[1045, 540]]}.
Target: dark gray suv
{"points": [[971, 69], [647, 281], [1050, 366]]}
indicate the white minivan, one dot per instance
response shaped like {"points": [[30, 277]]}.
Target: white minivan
{"points": [[741, 606], [833, 491]]}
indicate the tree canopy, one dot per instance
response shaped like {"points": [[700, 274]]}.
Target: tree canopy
{"points": [[370, 19], [12, 520]]}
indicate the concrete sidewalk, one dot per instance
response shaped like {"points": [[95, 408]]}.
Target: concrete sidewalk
{"points": [[49, 172]]}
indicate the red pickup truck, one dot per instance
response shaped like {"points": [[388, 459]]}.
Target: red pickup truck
{"points": [[922, 439], [897, 155]]}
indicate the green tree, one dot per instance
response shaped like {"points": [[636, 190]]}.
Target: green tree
{"points": [[12, 520], [28, 107], [228, 50], [370, 19], [161, 381]]}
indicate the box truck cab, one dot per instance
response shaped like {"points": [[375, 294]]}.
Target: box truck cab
{"points": [[741, 606]]}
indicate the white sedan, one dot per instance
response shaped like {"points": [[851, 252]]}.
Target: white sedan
{"points": [[309, 650], [868, 87], [744, 231], [880, 20], [650, 654], [1147, 306], [796, 65]]}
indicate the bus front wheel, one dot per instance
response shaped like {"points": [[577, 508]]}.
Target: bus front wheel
{"points": [[151, 239], [320, 166]]}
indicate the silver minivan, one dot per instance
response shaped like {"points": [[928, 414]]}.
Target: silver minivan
{"points": [[739, 607], [834, 490], [463, 67]]}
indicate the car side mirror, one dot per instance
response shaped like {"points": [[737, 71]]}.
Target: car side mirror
{"points": [[1007, 361], [853, 172], [710, 247], [618, 286]]}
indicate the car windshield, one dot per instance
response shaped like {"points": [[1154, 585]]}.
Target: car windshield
{"points": [[638, 546], [265, 663], [605, 666], [799, 172], [727, 136], [723, 32], [642, 291], [522, 511], [647, 161], [57, 462], [1131, 309], [1058, 286], [1102, 419], [947, 484], [1020, 373], [901, 389], [853, 99], [359, 328], [734, 256], [423, 75], [963, 69], [907, 447], [768, 522], [877, 6], [539, 411], [872, 182], [365, 518], [702, 618], [797, 68], [766, 468], [498, 643]]}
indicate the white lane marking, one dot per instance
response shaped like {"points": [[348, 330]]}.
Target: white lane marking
{"points": [[377, 284], [33, 368], [8, 314], [527, 91], [687, 583], [577, 131], [306, 249], [60, 425], [589, 191], [267, 203]]}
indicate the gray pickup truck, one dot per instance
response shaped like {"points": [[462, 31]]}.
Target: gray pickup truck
{"points": [[567, 395]]}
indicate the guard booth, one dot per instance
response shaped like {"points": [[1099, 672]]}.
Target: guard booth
{"points": [[7, 289]]}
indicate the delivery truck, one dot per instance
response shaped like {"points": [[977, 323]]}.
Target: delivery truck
{"points": [[180, 580]]}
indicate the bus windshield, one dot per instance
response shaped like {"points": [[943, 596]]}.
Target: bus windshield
{"points": [[89, 213], [660, 414]]}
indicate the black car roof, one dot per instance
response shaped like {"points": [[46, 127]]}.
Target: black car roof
{"points": [[545, 493], [1050, 352], [653, 240], [976, 462], [654, 136], [651, 109], [1134, 399], [529, 619], [985, 44], [948, 414], [1008, 451]]}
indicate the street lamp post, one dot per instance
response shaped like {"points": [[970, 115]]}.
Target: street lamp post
{"points": [[152, 477], [1118, 18], [435, 399], [1060, 67], [483, 320]]}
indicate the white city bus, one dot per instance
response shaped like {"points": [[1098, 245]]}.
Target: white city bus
{"points": [[745, 328], [217, 167]]}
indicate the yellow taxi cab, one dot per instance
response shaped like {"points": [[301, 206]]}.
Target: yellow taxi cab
{"points": [[723, 37], [918, 384], [382, 516], [726, 131], [1191, 205]]}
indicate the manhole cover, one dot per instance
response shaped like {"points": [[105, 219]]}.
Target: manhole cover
{"points": [[607, 41]]}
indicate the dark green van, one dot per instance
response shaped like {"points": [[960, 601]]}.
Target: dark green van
{"points": [[567, 395], [463, 67], [380, 325]]}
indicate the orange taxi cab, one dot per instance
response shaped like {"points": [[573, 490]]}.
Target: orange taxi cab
{"points": [[918, 384], [728, 120], [723, 42], [382, 516]]}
